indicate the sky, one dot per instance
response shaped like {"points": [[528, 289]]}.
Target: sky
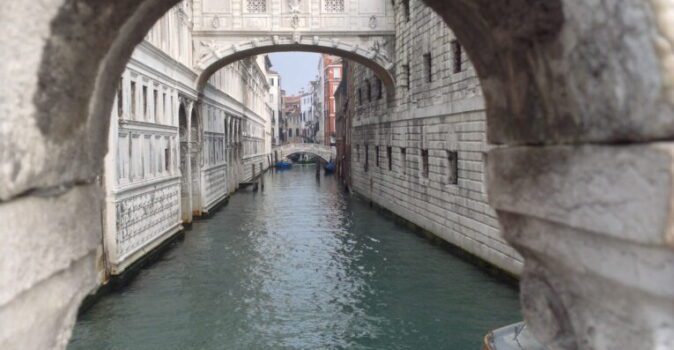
{"points": [[296, 69]]}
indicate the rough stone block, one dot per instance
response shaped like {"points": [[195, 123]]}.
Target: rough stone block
{"points": [[43, 236], [618, 191], [579, 287]]}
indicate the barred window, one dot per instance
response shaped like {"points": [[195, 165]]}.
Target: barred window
{"points": [[452, 167], [424, 163], [334, 5], [456, 56], [256, 6]]}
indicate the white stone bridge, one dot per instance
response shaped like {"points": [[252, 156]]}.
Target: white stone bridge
{"points": [[227, 31], [324, 152]]}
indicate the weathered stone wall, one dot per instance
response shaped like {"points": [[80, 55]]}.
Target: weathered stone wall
{"points": [[581, 89], [437, 110]]}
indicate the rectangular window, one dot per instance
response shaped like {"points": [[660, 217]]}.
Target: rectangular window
{"points": [[428, 67], [167, 157], [156, 104], [407, 77], [133, 99], [358, 153], [148, 160], [171, 114], [336, 73], [403, 160], [367, 157], [360, 96], [456, 56], [145, 102], [380, 89], [389, 153], [406, 10], [120, 98], [376, 155], [369, 91], [453, 167], [156, 150], [424, 163]]}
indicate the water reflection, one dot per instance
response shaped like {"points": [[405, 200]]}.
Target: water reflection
{"points": [[300, 266]]}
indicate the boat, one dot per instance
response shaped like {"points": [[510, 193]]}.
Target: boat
{"points": [[283, 165], [329, 167]]}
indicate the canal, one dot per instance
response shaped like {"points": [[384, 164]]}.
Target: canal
{"points": [[300, 266]]}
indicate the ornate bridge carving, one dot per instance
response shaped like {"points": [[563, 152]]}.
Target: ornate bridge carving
{"points": [[362, 31]]}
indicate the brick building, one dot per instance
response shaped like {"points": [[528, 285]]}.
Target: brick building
{"points": [[331, 69]]}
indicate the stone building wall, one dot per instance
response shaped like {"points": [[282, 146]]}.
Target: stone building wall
{"points": [[423, 156], [158, 176]]}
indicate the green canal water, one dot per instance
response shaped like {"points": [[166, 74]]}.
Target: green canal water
{"points": [[300, 266]]}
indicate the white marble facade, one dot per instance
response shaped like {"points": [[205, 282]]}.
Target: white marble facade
{"points": [[175, 153]]}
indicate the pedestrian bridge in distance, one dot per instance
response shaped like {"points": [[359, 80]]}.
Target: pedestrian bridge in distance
{"points": [[324, 152]]}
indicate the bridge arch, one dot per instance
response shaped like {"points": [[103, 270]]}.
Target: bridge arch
{"points": [[326, 153], [371, 54]]}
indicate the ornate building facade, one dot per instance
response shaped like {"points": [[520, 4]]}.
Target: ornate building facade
{"points": [[172, 158]]}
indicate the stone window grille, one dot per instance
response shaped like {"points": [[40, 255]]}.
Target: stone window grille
{"points": [[256, 6], [376, 155], [428, 67], [456, 56], [424, 163], [453, 167], [403, 160], [389, 152], [334, 6], [165, 110]]}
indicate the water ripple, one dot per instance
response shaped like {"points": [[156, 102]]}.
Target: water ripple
{"points": [[300, 266]]}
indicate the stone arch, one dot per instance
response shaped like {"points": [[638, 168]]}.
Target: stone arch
{"points": [[375, 58], [575, 91]]}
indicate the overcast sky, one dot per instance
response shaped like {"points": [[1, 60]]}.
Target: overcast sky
{"points": [[296, 69]]}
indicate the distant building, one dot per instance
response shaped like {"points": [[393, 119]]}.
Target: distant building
{"points": [[343, 123], [292, 118], [276, 102], [331, 77]]}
